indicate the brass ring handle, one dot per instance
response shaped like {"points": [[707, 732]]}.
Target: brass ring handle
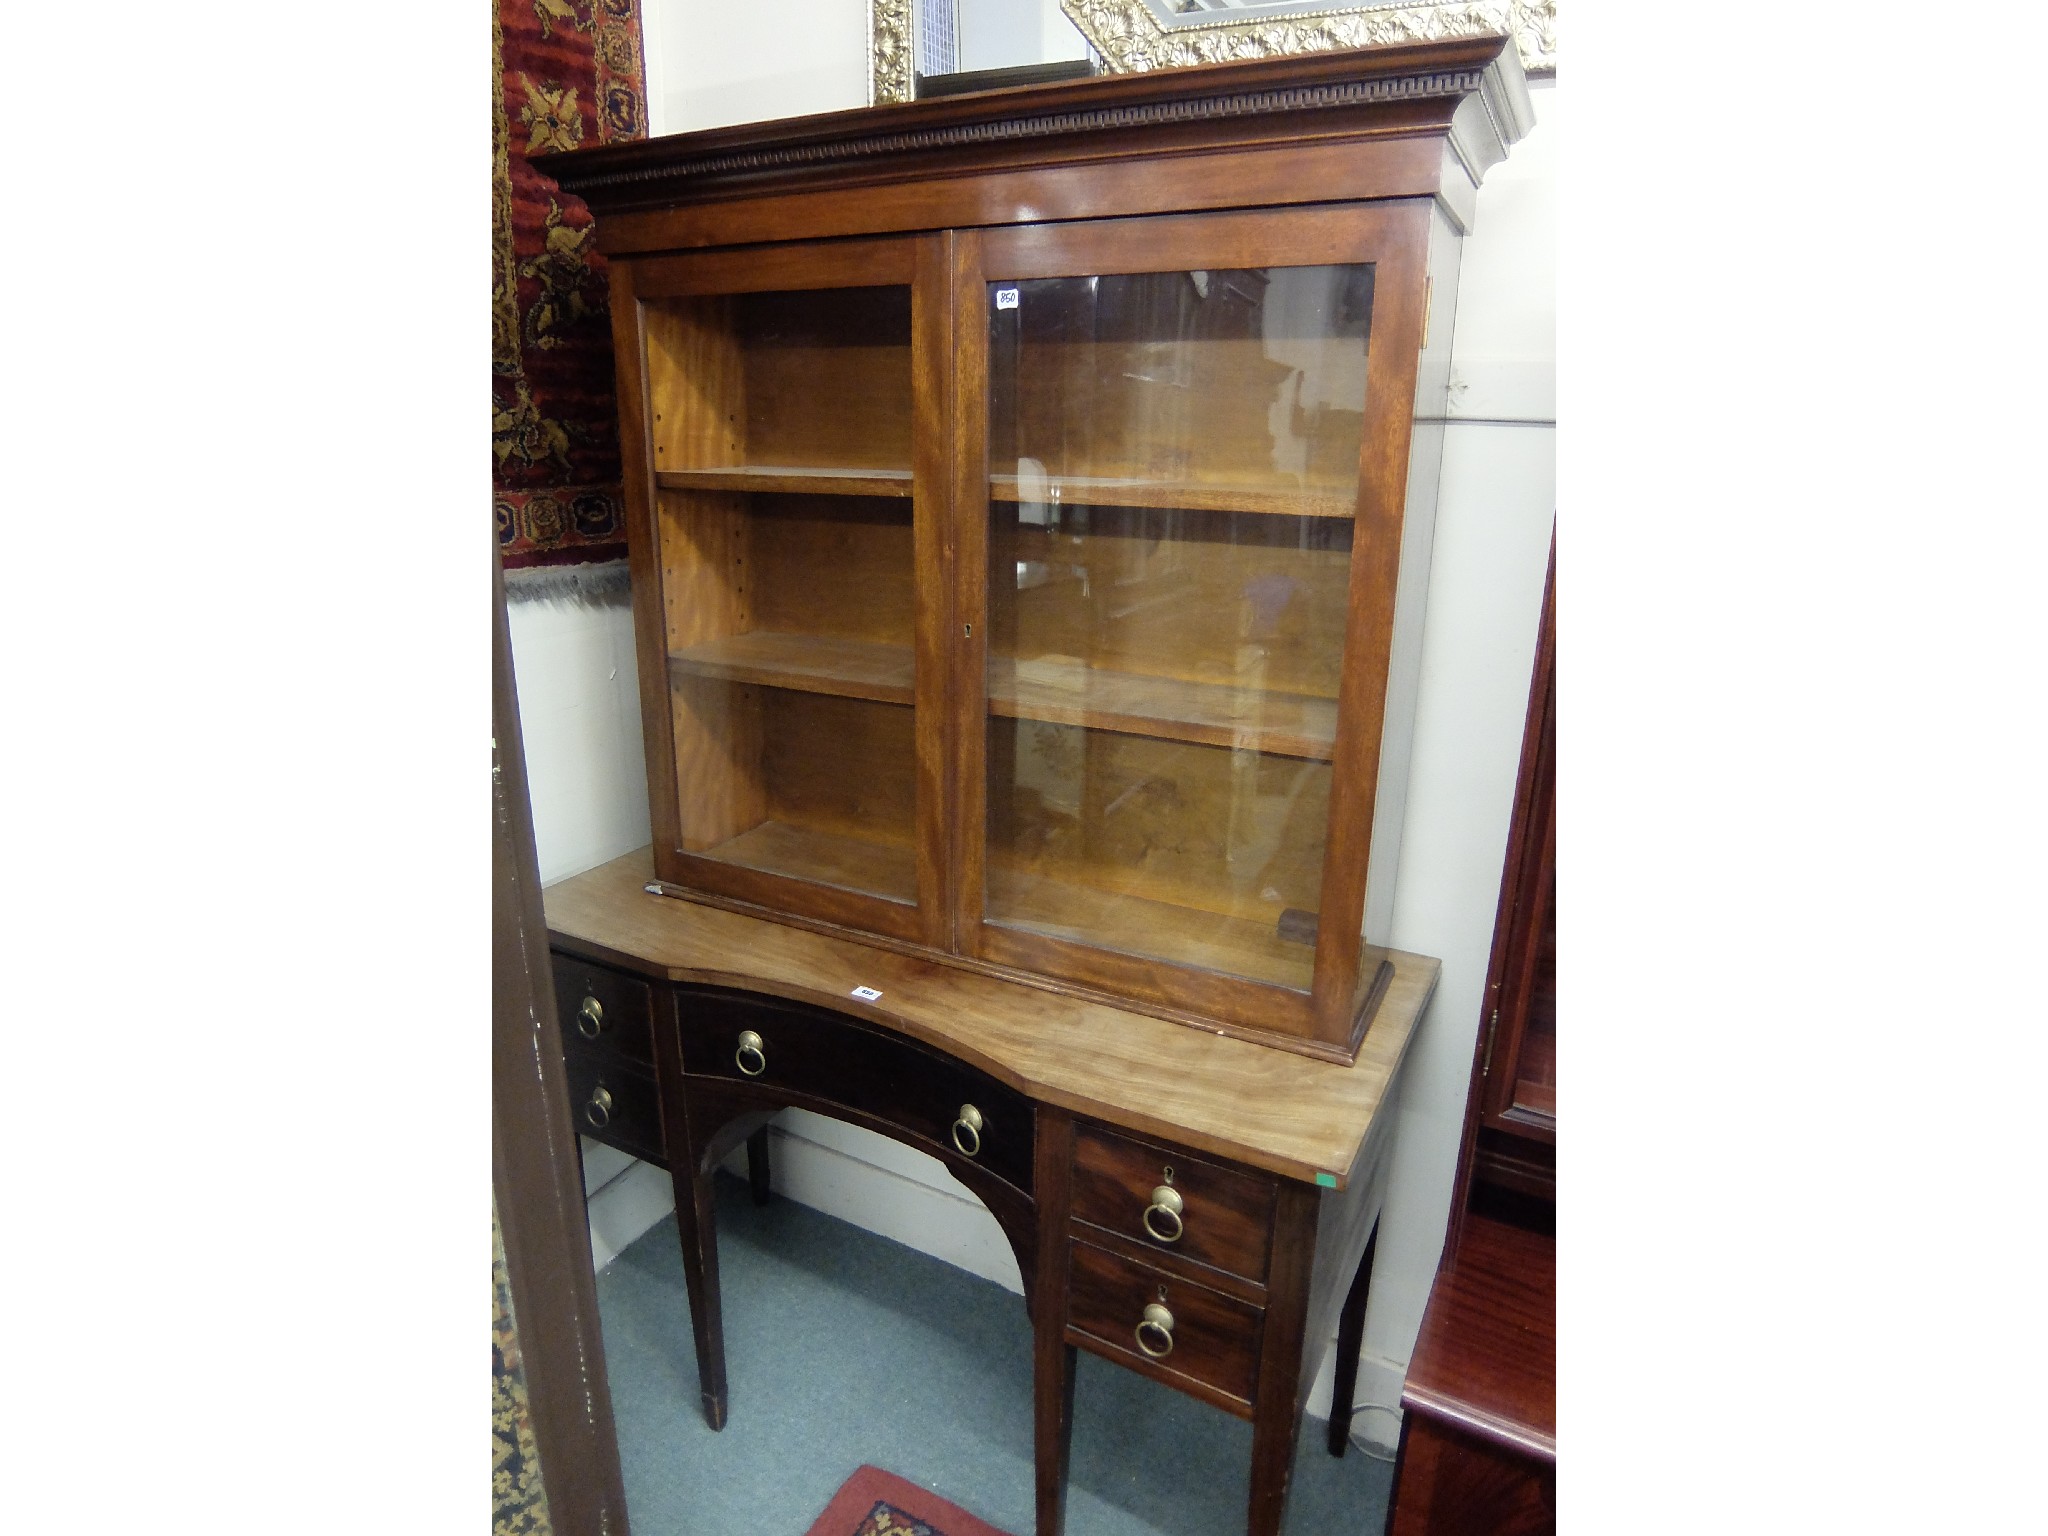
{"points": [[967, 1130], [590, 1019], [1165, 1207], [599, 1110], [1158, 1322], [752, 1045]]}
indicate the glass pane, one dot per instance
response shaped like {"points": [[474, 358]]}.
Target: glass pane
{"points": [[1174, 467], [782, 450]]}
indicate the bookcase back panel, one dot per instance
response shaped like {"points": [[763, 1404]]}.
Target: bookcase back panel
{"points": [[808, 379]]}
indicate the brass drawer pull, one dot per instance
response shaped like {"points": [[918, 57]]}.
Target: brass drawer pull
{"points": [[754, 1048], [1158, 1324], [967, 1130], [590, 1019], [599, 1110], [1164, 1213]]}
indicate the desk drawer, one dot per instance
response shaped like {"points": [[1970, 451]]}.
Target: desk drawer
{"points": [[1212, 1340], [811, 1053], [1225, 1218], [606, 1007], [615, 1104]]}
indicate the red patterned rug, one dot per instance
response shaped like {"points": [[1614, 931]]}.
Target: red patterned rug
{"points": [[877, 1503], [566, 73]]}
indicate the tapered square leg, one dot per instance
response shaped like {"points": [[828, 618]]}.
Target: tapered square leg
{"points": [[757, 1166], [1052, 1357], [1053, 1433], [697, 1226], [1350, 1337]]}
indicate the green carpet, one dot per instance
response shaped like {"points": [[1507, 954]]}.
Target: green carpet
{"points": [[844, 1348]]}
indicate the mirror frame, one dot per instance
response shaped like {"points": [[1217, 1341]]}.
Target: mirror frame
{"points": [[1130, 37]]}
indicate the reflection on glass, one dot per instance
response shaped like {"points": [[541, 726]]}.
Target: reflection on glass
{"points": [[782, 449], [1173, 471]]}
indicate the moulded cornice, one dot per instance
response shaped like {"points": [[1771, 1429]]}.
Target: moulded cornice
{"points": [[1478, 79]]}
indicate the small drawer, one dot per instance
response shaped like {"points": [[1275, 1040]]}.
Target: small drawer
{"points": [[616, 1105], [603, 1006], [1224, 1219], [807, 1053], [1197, 1333]]}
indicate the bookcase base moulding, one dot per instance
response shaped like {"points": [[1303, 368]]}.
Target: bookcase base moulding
{"points": [[1030, 506]]}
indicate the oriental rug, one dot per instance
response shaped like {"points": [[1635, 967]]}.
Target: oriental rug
{"points": [[877, 1503], [565, 73], [519, 1502]]}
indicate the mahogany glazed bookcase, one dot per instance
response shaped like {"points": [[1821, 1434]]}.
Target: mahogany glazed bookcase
{"points": [[1031, 498]]}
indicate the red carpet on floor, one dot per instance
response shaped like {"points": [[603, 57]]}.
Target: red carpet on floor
{"points": [[877, 1503]]}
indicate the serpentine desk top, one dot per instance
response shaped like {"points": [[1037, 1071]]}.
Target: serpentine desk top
{"points": [[1289, 1114]]}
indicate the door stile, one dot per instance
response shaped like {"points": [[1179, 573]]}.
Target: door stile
{"points": [[933, 389], [968, 637]]}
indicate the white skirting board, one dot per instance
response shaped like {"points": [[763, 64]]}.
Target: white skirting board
{"points": [[885, 1187]]}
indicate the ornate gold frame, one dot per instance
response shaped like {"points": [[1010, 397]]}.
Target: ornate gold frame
{"points": [[889, 52], [1130, 37]]}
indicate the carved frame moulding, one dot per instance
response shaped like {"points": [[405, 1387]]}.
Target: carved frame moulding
{"points": [[1135, 35]]}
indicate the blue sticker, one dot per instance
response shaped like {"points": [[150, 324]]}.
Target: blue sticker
{"points": [[1327, 1180]]}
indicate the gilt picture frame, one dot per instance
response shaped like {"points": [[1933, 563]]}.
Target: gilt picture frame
{"points": [[1131, 36]]}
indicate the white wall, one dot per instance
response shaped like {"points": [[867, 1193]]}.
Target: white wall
{"points": [[711, 63], [1494, 510], [576, 682]]}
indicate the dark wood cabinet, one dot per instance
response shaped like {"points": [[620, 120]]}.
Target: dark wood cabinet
{"points": [[1479, 1432], [1031, 495]]}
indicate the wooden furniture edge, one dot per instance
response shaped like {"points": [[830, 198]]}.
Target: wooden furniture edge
{"points": [[1307, 1091], [717, 161], [1495, 1430]]}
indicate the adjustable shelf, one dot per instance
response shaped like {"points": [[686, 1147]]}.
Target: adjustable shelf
{"points": [[788, 477], [1069, 692], [848, 669], [1189, 495]]}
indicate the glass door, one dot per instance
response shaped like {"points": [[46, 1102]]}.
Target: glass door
{"points": [[788, 514], [1172, 485]]}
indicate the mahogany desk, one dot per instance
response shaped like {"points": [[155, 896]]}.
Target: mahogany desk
{"points": [[1196, 1208]]}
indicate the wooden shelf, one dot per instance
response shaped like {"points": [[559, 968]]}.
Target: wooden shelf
{"points": [[1211, 941], [1191, 495], [787, 477], [1069, 692], [888, 870], [1054, 689], [850, 669]]}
